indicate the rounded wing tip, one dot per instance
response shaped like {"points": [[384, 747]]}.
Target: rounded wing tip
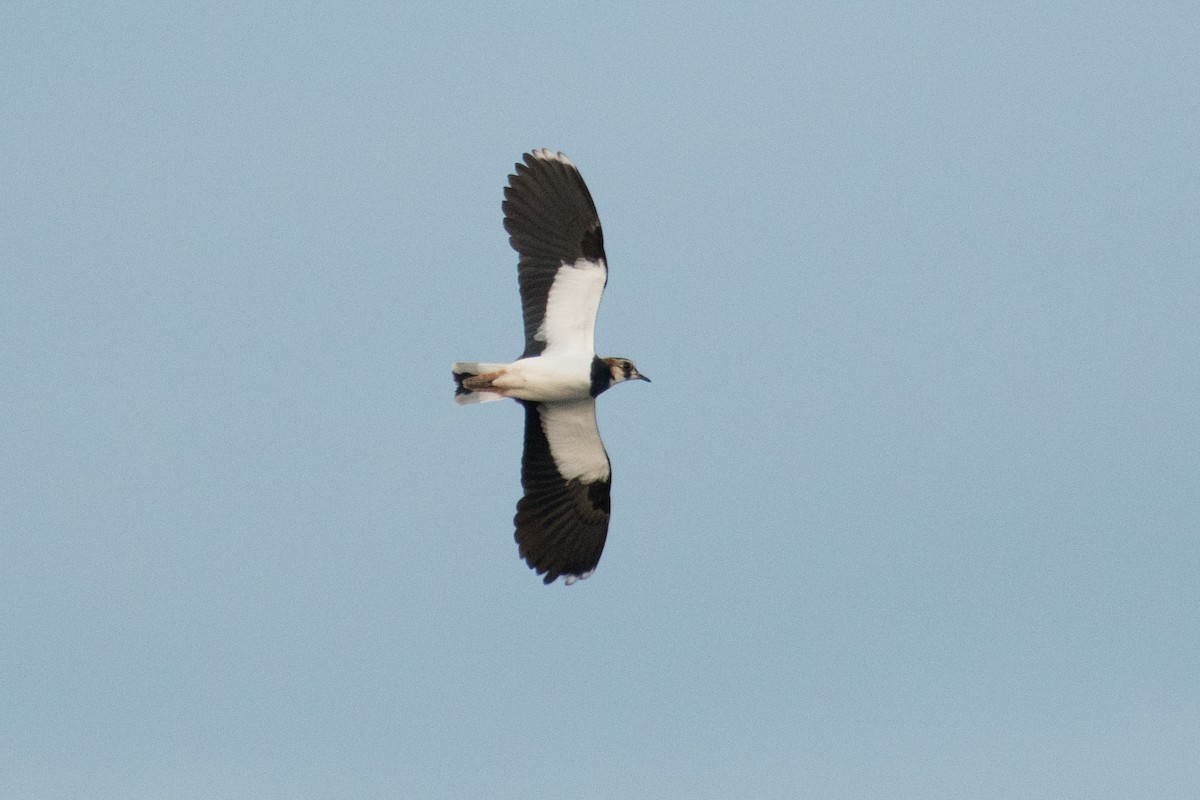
{"points": [[570, 579], [543, 154]]}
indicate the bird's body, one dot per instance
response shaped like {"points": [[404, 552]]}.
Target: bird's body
{"points": [[538, 379], [562, 521]]}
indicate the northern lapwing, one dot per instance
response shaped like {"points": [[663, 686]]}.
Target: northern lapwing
{"points": [[562, 521]]}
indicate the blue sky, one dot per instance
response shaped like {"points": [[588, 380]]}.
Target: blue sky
{"points": [[910, 509]]}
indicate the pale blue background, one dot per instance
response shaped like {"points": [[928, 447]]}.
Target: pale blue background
{"points": [[909, 511]]}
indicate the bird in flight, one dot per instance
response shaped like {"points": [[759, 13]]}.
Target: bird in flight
{"points": [[562, 521]]}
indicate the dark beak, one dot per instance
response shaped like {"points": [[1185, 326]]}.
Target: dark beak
{"points": [[643, 377]]}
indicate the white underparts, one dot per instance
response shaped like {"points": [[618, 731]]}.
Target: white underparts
{"points": [[546, 379]]}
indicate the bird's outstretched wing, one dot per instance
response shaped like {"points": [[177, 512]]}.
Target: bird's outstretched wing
{"points": [[562, 520], [553, 225]]}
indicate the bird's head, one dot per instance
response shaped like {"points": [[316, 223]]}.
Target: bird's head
{"points": [[622, 369]]}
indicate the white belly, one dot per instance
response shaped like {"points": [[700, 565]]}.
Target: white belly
{"points": [[547, 379]]}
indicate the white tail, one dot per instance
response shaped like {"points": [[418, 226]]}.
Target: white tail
{"points": [[466, 369]]}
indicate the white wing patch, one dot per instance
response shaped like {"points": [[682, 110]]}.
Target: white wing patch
{"points": [[570, 320], [574, 440]]}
